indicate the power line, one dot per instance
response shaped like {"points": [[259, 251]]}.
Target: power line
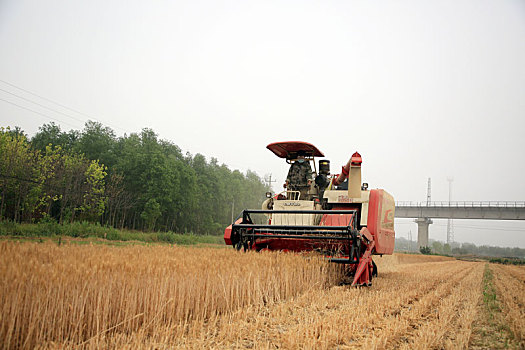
{"points": [[42, 114], [41, 105], [59, 104]]}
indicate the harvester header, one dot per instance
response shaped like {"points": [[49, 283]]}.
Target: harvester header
{"points": [[333, 214]]}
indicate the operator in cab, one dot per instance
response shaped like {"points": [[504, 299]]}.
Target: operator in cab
{"points": [[299, 176]]}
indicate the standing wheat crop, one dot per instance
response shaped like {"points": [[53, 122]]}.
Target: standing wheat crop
{"points": [[75, 295]]}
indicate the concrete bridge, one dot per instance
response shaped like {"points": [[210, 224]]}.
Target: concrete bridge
{"points": [[425, 212]]}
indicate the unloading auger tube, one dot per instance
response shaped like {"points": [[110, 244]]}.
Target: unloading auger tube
{"points": [[336, 216]]}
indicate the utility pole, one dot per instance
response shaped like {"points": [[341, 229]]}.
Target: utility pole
{"points": [[450, 229], [269, 181], [233, 205]]}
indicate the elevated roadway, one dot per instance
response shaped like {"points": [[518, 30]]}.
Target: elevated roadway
{"points": [[424, 212]]}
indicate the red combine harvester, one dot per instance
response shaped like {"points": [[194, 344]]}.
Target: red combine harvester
{"points": [[335, 215]]}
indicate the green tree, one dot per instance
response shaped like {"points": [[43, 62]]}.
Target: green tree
{"points": [[437, 247], [151, 213], [93, 202], [74, 185], [51, 134], [425, 250], [97, 142], [19, 176]]}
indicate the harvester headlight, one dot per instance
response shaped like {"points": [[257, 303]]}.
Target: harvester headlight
{"points": [[268, 194], [364, 186]]}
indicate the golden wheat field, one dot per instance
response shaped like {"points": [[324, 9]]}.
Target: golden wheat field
{"points": [[164, 297]]}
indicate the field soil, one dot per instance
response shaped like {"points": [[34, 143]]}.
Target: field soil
{"points": [[165, 297]]}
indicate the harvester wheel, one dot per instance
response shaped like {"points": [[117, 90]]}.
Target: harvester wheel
{"points": [[374, 269], [244, 245]]}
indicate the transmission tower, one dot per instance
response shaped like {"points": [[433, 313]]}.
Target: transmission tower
{"points": [[450, 228], [429, 188]]}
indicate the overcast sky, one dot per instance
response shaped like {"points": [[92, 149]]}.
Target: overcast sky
{"points": [[420, 88]]}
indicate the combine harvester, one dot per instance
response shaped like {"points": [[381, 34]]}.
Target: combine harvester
{"points": [[334, 215]]}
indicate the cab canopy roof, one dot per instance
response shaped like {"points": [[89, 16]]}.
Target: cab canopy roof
{"points": [[291, 149]]}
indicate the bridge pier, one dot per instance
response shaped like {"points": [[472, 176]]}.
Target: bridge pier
{"points": [[422, 232]]}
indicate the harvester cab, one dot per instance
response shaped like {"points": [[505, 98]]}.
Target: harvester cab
{"points": [[334, 214]]}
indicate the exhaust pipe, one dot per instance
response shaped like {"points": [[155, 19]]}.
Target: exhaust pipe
{"points": [[352, 171]]}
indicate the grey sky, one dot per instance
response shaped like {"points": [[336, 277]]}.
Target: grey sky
{"points": [[420, 88]]}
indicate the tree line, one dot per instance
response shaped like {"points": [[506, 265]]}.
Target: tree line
{"points": [[456, 248], [136, 181]]}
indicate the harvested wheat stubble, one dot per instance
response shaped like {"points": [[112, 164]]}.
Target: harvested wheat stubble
{"points": [[85, 295], [510, 286], [401, 309]]}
